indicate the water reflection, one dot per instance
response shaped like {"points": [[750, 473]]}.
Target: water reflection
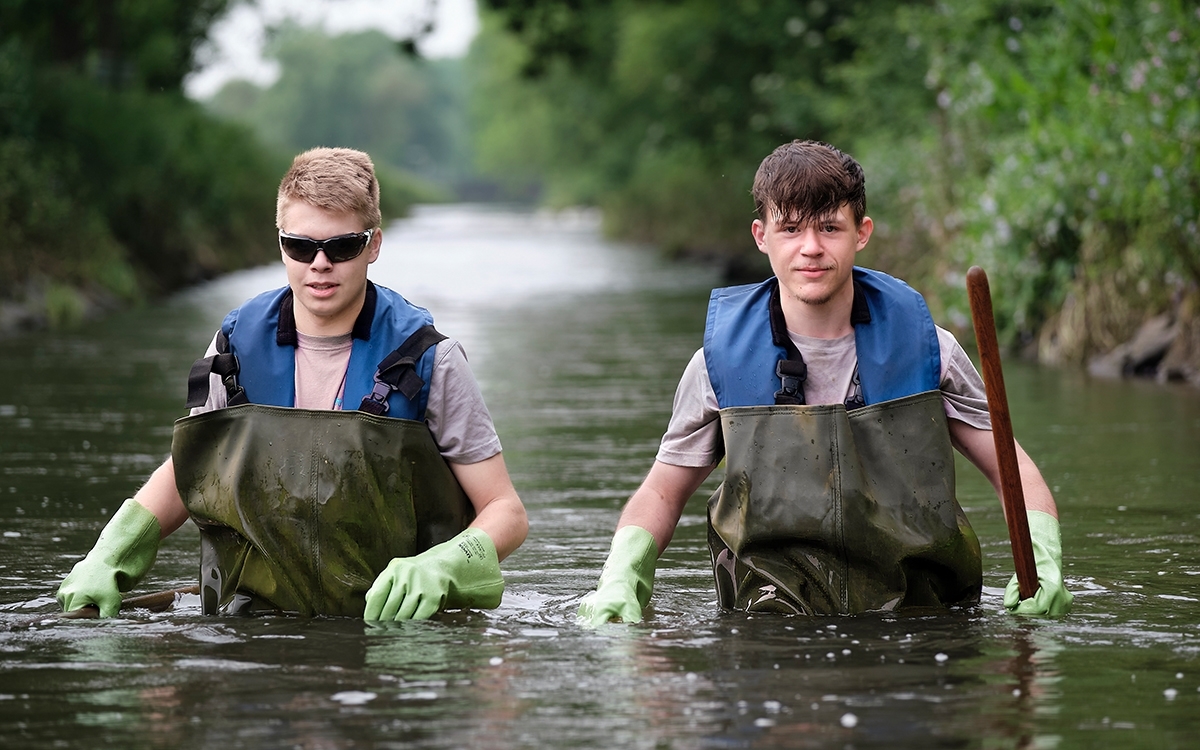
{"points": [[578, 344]]}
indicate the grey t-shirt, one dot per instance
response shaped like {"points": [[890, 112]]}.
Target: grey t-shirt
{"points": [[456, 415], [693, 436]]}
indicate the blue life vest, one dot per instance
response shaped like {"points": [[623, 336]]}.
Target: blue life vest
{"points": [[265, 348], [898, 352]]}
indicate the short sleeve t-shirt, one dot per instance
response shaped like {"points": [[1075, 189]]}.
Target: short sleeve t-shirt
{"points": [[693, 436], [455, 413]]}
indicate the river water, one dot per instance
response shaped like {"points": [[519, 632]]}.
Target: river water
{"points": [[578, 343]]}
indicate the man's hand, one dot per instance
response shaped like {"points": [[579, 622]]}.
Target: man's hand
{"points": [[1052, 597], [626, 581], [461, 573], [121, 556]]}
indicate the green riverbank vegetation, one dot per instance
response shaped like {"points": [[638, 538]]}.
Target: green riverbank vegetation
{"points": [[1054, 143], [115, 187]]}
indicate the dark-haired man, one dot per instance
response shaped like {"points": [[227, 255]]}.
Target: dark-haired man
{"points": [[834, 400]]}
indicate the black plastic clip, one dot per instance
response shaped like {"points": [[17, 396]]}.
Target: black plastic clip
{"points": [[792, 374]]}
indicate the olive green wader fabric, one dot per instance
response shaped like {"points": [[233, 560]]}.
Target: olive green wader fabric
{"points": [[828, 512], [300, 510]]}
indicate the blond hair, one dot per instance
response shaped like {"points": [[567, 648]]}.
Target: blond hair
{"points": [[335, 179]]}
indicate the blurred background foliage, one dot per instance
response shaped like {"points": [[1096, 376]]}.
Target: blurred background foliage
{"points": [[1052, 142], [362, 90], [113, 185]]}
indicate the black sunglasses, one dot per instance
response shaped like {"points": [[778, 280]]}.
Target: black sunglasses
{"points": [[337, 249]]}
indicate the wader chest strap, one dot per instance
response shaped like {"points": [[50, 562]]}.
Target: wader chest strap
{"points": [[792, 372], [223, 364], [398, 371]]}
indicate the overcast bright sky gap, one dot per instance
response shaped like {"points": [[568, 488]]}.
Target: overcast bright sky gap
{"points": [[236, 41]]}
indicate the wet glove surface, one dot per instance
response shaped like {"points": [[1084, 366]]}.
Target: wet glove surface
{"points": [[121, 556], [1052, 597], [461, 573], [626, 581]]}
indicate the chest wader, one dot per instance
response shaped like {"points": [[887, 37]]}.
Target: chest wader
{"points": [[299, 510], [825, 511]]}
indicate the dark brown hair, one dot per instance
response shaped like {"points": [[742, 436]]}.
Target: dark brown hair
{"points": [[805, 181]]}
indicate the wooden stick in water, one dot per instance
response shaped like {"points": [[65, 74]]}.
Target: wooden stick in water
{"points": [[156, 602], [1002, 432]]}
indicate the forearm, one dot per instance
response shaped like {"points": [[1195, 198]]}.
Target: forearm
{"points": [[1037, 492], [504, 520], [160, 496], [1052, 596], [1034, 489], [650, 511], [979, 447], [499, 512], [658, 503]]}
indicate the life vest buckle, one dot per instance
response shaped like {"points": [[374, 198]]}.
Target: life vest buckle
{"points": [[792, 374], [235, 393], [376, 402]]}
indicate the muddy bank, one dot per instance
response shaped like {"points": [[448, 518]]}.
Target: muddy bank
{"points": [[41, 305], [1165, 348]]}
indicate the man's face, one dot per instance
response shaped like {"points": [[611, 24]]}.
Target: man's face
{"points": [[328, 296], [813, 261]]}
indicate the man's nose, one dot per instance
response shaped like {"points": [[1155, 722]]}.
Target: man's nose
{"points": [[810, 241]]}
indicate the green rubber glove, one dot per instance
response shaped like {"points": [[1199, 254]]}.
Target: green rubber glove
{"points": [[121, 556], [459, 574], [626, 581], [1052, 597]]}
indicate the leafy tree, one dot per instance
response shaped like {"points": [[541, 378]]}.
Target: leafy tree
{"points": [[660, 111], [112, 184], [146, 44], [358, 90], [1075, 129], [1054, 142]]}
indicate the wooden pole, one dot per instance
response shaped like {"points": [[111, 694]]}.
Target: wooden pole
{"points": [[1006, 450]]}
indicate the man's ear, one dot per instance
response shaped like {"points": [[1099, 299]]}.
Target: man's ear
{"points": [[865, 228], [759, 230], [375, 246]]}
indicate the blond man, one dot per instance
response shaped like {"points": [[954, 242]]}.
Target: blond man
{"points": [[339, 458]]}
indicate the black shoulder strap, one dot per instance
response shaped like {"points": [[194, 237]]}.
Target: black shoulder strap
{"points": [[223, 364], [398, 371]]}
